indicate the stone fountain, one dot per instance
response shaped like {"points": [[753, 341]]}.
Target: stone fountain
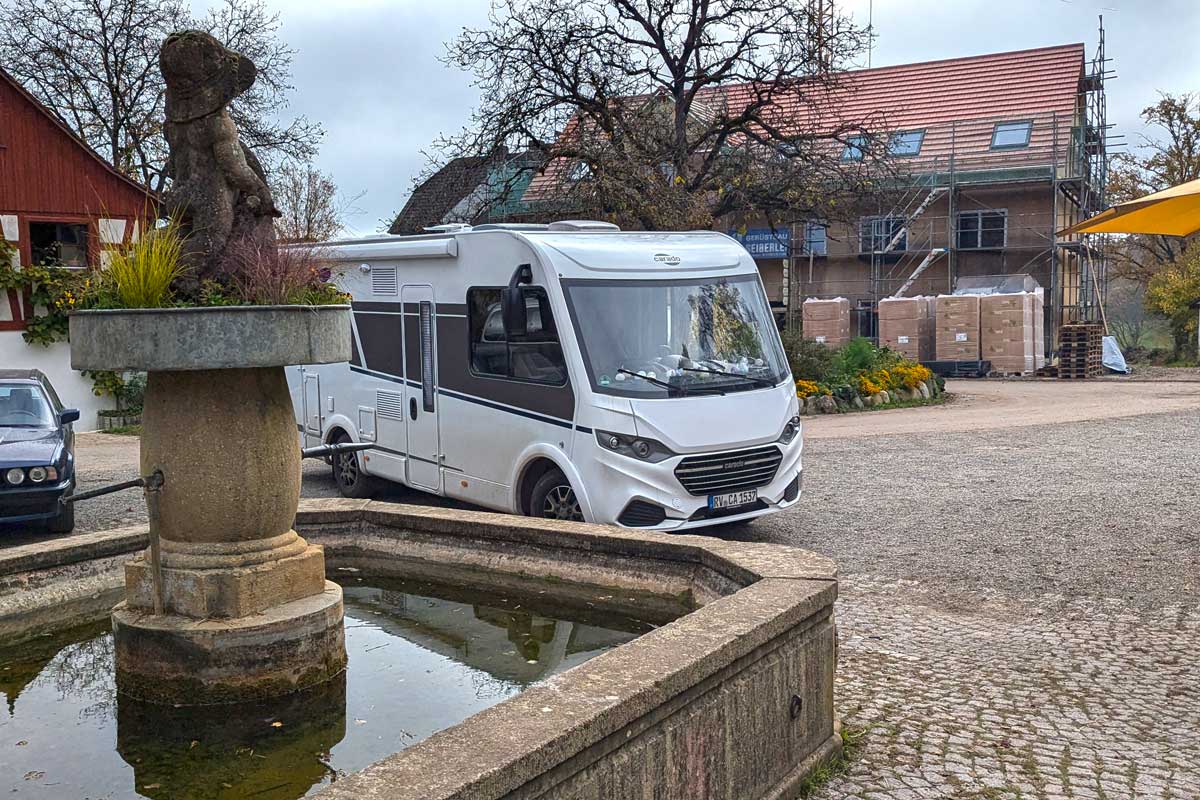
{"points": [[229, 603]]}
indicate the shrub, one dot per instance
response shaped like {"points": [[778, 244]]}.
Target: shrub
{"points": [[809, 360], [845, 394], [867, 386], [909, 375], [858, 355], [809, 388], [141, 275], [267, 275]]}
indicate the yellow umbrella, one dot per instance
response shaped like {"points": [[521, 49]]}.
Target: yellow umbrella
{"points": [[1171, 212]]}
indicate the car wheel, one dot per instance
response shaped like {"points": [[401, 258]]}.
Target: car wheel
{"points": [[348, 474], [65, 521], [554, 498]]}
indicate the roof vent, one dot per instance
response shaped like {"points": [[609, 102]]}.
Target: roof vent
{"points": [[581, 225]]}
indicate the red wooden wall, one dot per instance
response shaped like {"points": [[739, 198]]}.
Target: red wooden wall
{"points": [[46, 174]]}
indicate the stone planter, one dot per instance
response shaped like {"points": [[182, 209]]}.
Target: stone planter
{"points": [[118, 419], [247, 609]]}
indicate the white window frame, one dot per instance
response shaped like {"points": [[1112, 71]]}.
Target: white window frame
{"points": [[917, 132], [978, 214], [809, 242], [881, 239], [1027, 123]]}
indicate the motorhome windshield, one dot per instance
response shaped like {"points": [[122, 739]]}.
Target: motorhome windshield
{"points": [[644, 338]]}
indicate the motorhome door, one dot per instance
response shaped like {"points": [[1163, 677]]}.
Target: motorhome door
{"points": [[421, 401], [311, 402]]}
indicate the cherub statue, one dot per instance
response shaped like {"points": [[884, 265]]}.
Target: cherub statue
{"points": [[218, 188]]}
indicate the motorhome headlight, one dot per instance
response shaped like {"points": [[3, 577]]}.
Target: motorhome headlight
{"points": [[790, 430], [15, 475], [37, 474], [634, 446]]}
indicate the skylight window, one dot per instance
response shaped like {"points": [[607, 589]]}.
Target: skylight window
{"points": [[1008, 135], [906, 143], [855, 148]]}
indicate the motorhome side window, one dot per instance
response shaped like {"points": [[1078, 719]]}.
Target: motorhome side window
{"points": [[535, 356]]}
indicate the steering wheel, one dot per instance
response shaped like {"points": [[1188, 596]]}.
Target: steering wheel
{"points": [[23, 411]]}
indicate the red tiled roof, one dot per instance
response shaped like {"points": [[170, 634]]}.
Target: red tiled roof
{"points": [[956, 100]]}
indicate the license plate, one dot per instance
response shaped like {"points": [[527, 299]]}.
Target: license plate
{"points": [[733, 499]]}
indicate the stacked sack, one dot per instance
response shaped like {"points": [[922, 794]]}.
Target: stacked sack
{"points": [[1008, 332], [906, 326], [957, 336], [826, 322]]}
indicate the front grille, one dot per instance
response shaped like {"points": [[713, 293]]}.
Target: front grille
{"points": [[729, 472], [640, 514]]}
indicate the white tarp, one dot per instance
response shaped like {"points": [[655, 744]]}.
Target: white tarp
{"points": [[1112, 357]]}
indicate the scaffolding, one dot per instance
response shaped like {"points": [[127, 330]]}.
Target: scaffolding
{"points": [[967, 207]]}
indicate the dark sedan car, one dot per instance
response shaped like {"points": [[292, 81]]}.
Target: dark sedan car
{"points": [[37, 459]]}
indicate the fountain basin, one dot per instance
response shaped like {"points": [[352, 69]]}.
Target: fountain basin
{"points": [[731, 700], [248, 612]]}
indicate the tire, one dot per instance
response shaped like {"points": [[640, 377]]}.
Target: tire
{"points": [[348, 474], [554, 498], [65, 521]]}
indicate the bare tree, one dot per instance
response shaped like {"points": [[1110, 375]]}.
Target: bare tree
{"points": [[663, 114], [312, 208], [95, 64], [1167, 159]]}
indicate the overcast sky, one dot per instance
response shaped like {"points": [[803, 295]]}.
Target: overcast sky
{"points": [[368, 70]]}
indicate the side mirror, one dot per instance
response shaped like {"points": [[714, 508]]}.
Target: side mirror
{"points": [[512, 309], [68, 415]]}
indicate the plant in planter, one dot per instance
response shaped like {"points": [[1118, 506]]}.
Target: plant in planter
{"points": [[212, 311]]}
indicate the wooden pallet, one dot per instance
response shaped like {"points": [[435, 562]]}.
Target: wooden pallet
{"points": [[1080, 352]]}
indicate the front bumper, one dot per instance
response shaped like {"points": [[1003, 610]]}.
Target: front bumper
{"points": [[621, 480], [32, 503]]}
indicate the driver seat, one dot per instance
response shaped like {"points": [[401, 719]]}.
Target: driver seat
{"points": [[21, 399]]}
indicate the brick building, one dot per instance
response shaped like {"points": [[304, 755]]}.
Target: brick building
{"points": [[993, 153]]}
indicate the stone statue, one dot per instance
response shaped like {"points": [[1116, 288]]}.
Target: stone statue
{"points": [[218, 188]]}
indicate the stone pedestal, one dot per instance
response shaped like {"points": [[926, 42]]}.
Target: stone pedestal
{"points": [[246, 610]]}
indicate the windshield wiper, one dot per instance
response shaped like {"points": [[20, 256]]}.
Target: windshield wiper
{"points": [[668, 386], [751, 378]]}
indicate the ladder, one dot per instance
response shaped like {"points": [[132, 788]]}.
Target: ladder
{"points": [[930, 257], [933, 195]]}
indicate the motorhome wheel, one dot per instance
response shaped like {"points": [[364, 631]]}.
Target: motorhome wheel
{"points": [[351, 481], [553, 498]]}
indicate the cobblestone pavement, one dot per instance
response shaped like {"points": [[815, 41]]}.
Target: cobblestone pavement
{"points": [[1020, 605], [1015, 699]]}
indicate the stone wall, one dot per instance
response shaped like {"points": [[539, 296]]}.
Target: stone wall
{"points": [[733, 700]]}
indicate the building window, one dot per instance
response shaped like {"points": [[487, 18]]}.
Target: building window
{"points": [[855, 148], [876, 233], [535, 356], [815, 239], [59, 243], [580, 171], [982, 229], [1011, 135], [906, 143]]}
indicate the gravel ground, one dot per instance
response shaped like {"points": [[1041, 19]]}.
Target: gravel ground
{"points": [[1020, 603], [1106, 508]]}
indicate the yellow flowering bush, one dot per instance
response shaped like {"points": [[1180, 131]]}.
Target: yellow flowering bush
{"points": [[867, 384], [807, 389], [909, 375]]}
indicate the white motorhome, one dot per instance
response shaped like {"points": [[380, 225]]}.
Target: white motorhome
{"points": [[568, 370]]}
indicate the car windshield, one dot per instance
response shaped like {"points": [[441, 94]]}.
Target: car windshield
{"points": [[671, 338], [22, 405]]}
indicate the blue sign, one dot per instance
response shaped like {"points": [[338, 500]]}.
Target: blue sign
{"points": [[764, 242]]}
